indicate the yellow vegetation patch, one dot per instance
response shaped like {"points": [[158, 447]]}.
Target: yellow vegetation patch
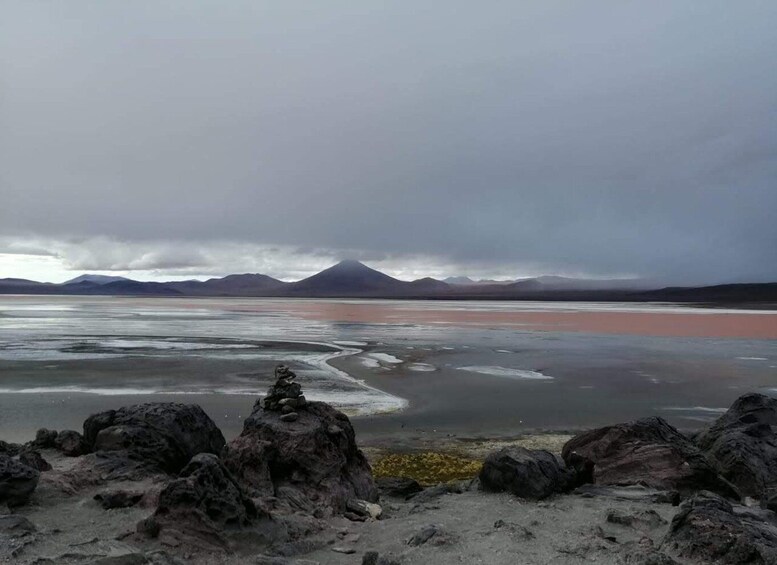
{"points": [[428, 468]]}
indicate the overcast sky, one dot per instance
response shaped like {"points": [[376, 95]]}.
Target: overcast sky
{"points": [[163, 139]]}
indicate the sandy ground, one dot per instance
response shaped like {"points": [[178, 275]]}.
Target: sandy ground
{"points": [[471, 527]]}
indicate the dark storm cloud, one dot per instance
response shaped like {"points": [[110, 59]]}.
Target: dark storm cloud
{"points": [[596, 137]]}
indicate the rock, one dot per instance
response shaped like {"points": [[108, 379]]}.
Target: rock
{"points": [[709, 529], [644, 520], [10, 449], [126, 559], [290, 417], [374, 558], [118, 498], [15, 524], [532, 474], [45, 439], [326, 469], [646, 452], [343, 549], [364, 508], [630, 492], [34, 459], [284, 393], [200, 506], [161, 436], [742, 444], [430, 534], [399, 487], [17, 481], [71, 443], [430, 493]]}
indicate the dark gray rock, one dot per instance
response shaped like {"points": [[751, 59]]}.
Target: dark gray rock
{"points": [[289, 417], [398, 487], [433, 534], [17, 481], [34, 459], [71, 443], [629, 492], [532, 474], [709, 529], [142, 438], [200, 507], [10, 449], [742, 445], [45, 439], [327, 469], [644, 520], [15, 524], [646, 452], [110, 499]]}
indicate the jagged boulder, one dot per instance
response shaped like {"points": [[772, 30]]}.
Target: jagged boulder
{"points": [[17, 481], [314, 458], [742, 445], [34, 459], [153, 437], [532, 474], [45, 439], [201, 507], [709, 529], [649, 452], [71, 443]]}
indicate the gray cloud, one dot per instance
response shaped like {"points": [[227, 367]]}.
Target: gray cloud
{"points": [[601, 138]]}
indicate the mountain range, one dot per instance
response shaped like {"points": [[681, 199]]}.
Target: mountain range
{"points": [[352, 279]]}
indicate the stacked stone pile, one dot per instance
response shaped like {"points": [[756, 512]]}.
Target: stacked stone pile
{"points": [[285, 396]]}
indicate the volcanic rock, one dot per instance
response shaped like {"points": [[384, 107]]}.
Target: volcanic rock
{"points": [[709, 529], [200, 507], [34, 459], [159, 436], [327, 469], [646, 452], [45, 439], [17, 481], [71, 443], [742, 445], [532, 474]]}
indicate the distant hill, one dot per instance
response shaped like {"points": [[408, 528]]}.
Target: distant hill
{"points": [[348, 278], [548, 283], [231, 285], [732, 293], [466, 281], [354, 279], [97, 279]]}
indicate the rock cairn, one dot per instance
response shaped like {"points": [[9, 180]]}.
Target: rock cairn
{"points": [[285, 396]]}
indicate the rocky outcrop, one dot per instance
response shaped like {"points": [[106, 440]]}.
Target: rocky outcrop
{"points": [[399, 487], [34, 459], [147, 438], [742, 445], [17, 481], [312, 460], [201, 507], [532, 474], [709, 529], [646, 452], [71, 443], [45, 439]]}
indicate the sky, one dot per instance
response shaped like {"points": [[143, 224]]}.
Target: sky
{"points": [[188, 139]]}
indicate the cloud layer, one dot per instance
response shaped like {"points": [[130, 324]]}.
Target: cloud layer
{"points": [[600, 138]]}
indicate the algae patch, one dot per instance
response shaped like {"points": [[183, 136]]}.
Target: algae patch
{"points": [[428, 468]]}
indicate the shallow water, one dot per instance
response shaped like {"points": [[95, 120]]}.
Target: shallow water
{"points": [[545, 366]]}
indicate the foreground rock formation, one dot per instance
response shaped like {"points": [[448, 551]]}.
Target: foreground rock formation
{"points": [[742, 445], [157, 483], [310, 461], [649, 452]]}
